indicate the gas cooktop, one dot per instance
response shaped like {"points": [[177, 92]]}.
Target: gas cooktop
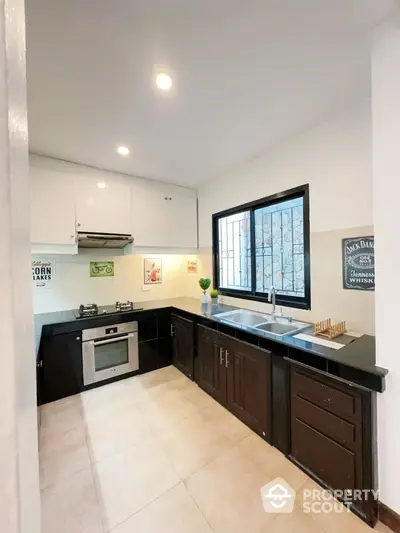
{"points": [[94, 310]]}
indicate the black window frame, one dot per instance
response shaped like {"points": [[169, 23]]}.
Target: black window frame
{"points": [[282, 300]]}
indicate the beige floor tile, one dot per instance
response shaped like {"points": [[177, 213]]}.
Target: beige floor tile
{"points": [[128, 481], [200, 399], [229, 424], [339, 519], [273, 463], [158, 377], [340, 522], [56, 439], [295, 522], [227, 492], [104, 401], [173, 512], [71, 506], [381, 528], [290, 473], [164, 412], [61, 415], [192, 443], [62, 455], [111, 434], [181, 383], [260, 452], [144, 435]]}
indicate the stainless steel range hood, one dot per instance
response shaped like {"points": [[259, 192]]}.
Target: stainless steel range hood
{"points": [[103, 240]]}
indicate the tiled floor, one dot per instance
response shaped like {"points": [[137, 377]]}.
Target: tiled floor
{"points": [[154, 454]]}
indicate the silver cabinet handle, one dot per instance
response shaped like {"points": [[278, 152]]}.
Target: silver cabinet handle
{"points": [[115, 339], [172, 330], [221, 357], [78, 338]]}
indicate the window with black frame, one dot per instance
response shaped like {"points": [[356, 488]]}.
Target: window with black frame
{"points": [[265, 244]]}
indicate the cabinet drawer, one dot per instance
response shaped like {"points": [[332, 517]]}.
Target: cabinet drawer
{"points": [[328, 460], [331, 398], [348, 434]]}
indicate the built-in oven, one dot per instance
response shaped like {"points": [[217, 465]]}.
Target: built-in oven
{"points": [[109, 351]]}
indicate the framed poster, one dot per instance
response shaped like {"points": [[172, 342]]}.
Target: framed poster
{"points": [[359, 263], [101, 269], [152, 271], [42, 273], [192, 266]]}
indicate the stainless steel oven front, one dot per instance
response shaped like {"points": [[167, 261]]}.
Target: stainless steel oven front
{"points": [[109, 351]]}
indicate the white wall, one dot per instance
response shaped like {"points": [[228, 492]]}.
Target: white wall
{"points": [[386, 152], [334, 158], [73, 286], [19, 476]]}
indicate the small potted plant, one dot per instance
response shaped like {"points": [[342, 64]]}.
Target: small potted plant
{"points": [[214, 296], [204, 286]]}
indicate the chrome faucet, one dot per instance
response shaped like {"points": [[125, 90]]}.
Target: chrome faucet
{"points": [[272, 297]]}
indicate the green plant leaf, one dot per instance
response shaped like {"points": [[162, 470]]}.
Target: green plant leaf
{"points": [[204, 283]]}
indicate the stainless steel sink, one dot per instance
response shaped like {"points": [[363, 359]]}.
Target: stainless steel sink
{"points": [[279, 329], [244, 317], [278, 326]]}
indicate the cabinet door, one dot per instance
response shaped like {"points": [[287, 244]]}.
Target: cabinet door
{"points": [[153, 355], [102, 210], [52, 207], [150, 211], [62, 373], [163, 216], [182, 216], [210, 365], [249, 375], [183, 345]]}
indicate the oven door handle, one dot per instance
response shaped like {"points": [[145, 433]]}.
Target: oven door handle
{"points": [[115, 339]]}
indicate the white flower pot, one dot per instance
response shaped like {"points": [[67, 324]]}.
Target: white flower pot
{"points": [[205, 298]]}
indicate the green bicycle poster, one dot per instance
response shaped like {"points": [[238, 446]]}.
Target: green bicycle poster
{"points": [[101, 269]]}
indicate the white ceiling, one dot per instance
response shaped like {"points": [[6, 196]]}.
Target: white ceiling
{"points": [[247, 74]]}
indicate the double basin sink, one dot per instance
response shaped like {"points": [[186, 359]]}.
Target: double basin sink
{"points": [[278, 326]]}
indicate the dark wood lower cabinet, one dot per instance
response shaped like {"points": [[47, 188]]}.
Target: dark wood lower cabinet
{"points": [[238, 376], [211, 372], [332, 436], [248, 385], [183, 345], [154, 354], [61, 372]]}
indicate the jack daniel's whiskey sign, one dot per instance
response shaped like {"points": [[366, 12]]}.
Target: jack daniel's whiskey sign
{"points": [[359, 263]]}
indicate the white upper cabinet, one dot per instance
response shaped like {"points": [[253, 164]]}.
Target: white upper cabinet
{"points": [[66, 198], [103, 203], [52, 207], [163, 215]]}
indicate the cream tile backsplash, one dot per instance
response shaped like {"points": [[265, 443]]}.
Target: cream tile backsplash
{"points": [[72, 284]]}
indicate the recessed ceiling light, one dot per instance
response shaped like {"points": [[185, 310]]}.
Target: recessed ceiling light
{"points": [[123, 150], [101, 185], [163, 81]]}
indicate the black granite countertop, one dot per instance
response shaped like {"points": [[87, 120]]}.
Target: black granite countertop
{"points": [[359, 354]]}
